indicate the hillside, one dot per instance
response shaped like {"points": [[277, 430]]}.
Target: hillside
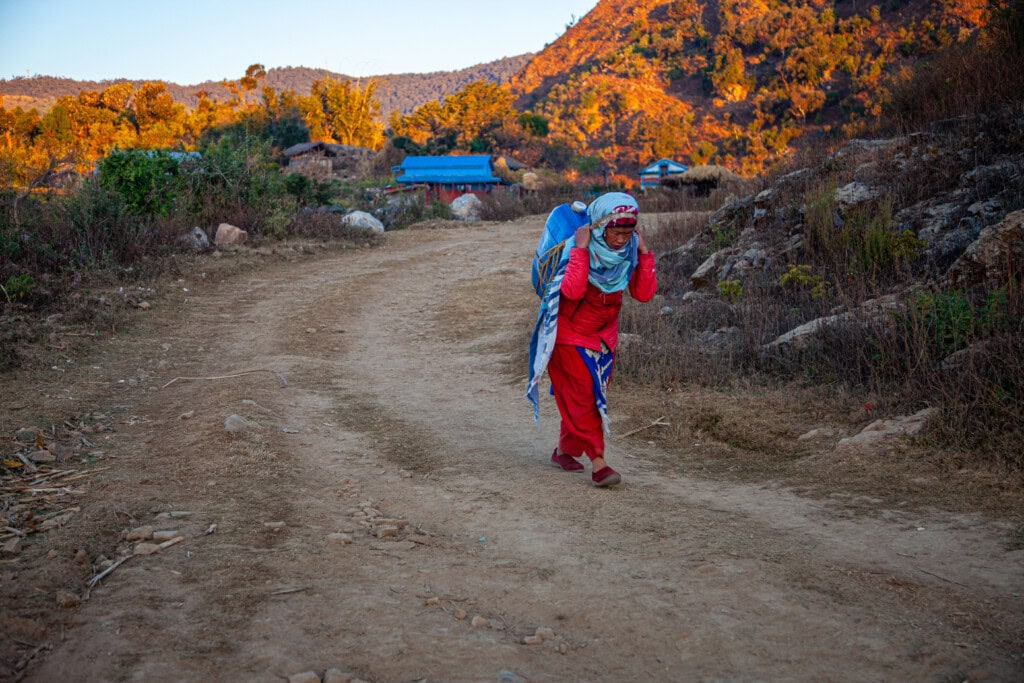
{"points": [[729, 82], [401, 92]]}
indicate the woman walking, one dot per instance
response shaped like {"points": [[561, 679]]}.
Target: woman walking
{"points": [[577, 330]]}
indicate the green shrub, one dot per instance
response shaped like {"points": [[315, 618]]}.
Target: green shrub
{"points": [[18, 286], [803, 277], [952, 321], [723, 235], [147, 180], [732, 290]]}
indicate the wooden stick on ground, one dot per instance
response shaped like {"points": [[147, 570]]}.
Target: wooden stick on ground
{"points": [[104, 574], [284, 382], [657, 423]]}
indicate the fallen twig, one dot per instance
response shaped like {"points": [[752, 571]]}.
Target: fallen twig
{"points": [[104, 574], [285, 591], [284, 382], [23, 662], [173, 541], [657, 423], [86, 474], [29, 465], [957, 583]]}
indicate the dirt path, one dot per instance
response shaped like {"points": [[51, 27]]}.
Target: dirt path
{"points": [[392, 513]]}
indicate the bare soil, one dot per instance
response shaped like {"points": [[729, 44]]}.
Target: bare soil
{"points": [[405, 373]]}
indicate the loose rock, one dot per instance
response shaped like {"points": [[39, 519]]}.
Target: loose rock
{"points": [[141, 533], [236, 424], [544, 633], [337, 676], [228, 234], [42, 456], [68, 600], [479, 622], [304, 677], [339, 539], [26, 435]]}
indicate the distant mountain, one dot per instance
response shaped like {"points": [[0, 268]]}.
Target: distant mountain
{"points": [[402, 92]]}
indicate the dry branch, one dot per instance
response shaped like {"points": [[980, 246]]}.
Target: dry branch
{"points": [[104, 574], [284, 382], [657, 423]]}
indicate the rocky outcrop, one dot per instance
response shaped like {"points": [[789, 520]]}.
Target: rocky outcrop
{"points": [[871, 312], [882, 433], [994, 258]]}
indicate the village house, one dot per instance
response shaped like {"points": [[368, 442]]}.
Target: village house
{"points": [[701, 180], [448, 177], [327, 161], [655, 174]]}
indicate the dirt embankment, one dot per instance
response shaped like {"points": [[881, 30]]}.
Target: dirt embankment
{"points": [[391, 512]]}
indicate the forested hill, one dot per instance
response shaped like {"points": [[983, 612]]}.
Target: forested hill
{"points": [[735, 82], [402, 92]]}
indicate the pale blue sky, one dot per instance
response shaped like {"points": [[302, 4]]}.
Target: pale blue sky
{"points": [[191, 41]]}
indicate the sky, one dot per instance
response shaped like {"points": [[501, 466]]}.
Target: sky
{"points": [[192, 41]]}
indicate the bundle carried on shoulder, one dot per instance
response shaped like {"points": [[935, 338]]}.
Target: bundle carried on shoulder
{"points": [[561, 224]]}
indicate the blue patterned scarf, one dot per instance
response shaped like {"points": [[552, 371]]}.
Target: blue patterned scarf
{"points": [[610, 271]]}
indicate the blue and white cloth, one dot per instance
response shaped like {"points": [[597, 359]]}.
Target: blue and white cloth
{"points": [[610, 270]]}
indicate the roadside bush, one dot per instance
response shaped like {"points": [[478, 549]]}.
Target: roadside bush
{"points": [[237, 181], [146, 180], [308, 191]]}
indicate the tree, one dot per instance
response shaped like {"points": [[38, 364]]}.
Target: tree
{"points": [[344, 112]]}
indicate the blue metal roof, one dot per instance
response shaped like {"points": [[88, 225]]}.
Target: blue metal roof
{"points": [[447, 169], [670, 167]]}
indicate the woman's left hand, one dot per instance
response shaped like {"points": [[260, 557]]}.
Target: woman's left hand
{"points": [[642, 245]]}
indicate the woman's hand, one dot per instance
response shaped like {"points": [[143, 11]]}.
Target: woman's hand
{"points": [[642, 245], [582, 237]]}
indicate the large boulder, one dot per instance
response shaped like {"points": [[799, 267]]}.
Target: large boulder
{"points": [[196, 240], [229, 235], [994, 258], [363, 220], [466, 207], [707, 272]]}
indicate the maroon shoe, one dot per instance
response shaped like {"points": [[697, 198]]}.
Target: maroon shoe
{"points": [[566, 462], [606, 476]]}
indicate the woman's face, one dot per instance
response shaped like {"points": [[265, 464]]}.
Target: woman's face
{"points": [[618, 237]]}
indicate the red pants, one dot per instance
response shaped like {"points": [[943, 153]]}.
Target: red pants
{"points": [[581, 431]]}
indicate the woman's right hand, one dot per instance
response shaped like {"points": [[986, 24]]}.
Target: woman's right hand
{"points": [[582, 237]]}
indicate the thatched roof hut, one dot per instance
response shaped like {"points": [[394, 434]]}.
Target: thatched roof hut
{"points": [[703, 179]]}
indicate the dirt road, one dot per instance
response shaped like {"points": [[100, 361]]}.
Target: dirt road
{"points": [[391, 512]]}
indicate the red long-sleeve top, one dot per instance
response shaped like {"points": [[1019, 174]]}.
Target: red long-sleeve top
{"points": [[586, 315]]}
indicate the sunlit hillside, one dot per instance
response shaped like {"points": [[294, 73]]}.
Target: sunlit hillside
{"points": [[733, 82]]}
